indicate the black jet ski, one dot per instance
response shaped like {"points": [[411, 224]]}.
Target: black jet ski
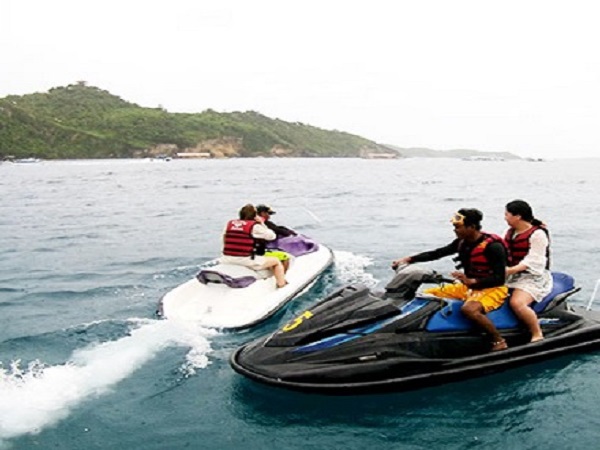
{"points": [[356, 341]]}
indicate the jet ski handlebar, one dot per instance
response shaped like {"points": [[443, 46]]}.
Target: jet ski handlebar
{"points": [[438, 278], [409, 277]]}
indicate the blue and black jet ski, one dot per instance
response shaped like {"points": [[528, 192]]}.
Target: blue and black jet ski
{"points": [[356, 341]]}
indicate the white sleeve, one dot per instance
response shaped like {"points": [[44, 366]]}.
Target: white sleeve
{"points": [[536, 260], [260, 231]]}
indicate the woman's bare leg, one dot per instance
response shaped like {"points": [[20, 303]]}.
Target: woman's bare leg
{"points": [[519, 302], [275, 265]]}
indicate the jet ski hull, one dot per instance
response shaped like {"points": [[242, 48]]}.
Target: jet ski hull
{"points": [[389, 376], [217, 305], [357, 342]]}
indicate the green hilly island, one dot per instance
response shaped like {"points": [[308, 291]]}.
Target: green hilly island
{"points": [[81, 121]]}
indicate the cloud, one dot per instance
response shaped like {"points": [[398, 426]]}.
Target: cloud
{"points": [[515, 76]]}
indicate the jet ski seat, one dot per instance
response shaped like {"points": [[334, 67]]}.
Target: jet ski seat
{"points": [[294, 245], [450, 318], [561, 283], [232, 275]]}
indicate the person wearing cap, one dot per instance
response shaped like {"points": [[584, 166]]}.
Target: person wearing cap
{"points": [[265, 212], [481, 283], [240, 238]]}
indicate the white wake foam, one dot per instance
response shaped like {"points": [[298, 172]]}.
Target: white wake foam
{"points": [[38, 396], [351, 268]]}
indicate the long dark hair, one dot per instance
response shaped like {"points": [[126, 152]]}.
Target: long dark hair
{"points": [[522, 208]]}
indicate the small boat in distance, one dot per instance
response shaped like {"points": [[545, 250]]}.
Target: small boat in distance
{"points": [[27, 160]]}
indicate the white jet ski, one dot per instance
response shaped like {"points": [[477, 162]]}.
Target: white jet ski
{"points": [[230, 296]]}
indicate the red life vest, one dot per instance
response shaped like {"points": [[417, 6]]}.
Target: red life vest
{"points": [[238, 239], [520, 244], [475, 262]]}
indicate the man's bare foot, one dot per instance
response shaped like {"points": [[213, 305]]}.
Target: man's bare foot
{"points": [[499, 345]]}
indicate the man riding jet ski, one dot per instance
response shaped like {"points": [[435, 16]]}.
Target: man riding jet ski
{"points": [[358, 341], [483, 258]]}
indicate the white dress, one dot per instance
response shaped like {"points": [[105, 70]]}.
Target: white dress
{"points": [[536, 280]]}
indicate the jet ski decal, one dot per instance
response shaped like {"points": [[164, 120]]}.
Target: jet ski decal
{"points": [[297, 321], [332, 341]]}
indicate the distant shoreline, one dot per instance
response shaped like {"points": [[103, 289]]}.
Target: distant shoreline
{"points": [[42, 160]]}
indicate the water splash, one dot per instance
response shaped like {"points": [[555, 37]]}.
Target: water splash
{"points": [[38, 396], [350, 268]]}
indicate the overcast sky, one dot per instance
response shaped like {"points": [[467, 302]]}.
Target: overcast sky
{"points": [[519, 76]]}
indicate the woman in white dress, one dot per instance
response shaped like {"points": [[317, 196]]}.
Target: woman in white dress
{"points": [[528, 273]]}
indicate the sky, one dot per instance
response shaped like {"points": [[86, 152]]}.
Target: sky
{"points": [[518, 76]]}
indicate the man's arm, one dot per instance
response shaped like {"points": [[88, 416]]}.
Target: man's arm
{"points": [[438, 253], [280, 230]]}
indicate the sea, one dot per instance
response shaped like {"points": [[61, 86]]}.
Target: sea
{"points": [[88, 248]]}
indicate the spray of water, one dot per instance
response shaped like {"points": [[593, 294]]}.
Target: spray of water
{"points": [[37, 396], [351, 268]]}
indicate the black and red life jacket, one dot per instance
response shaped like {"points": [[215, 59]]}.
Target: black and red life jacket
{"points": [[238, 239], [473, 258], [519, 245]]}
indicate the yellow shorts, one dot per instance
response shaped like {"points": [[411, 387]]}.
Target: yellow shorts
{"points": [[281, 256], [490, 298]]}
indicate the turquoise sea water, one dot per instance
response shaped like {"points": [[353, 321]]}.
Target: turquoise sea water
{"points": [[87, 248]]}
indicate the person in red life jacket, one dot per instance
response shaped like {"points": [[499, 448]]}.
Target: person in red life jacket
{"points": [[239, 242], [481, 284], [528, 271], [266, 212]]}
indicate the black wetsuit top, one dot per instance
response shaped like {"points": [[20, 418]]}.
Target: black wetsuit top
{"points": [[261, 244], [494, 252], [279, 230]]}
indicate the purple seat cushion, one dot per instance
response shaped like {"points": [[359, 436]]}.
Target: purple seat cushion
{"points": [[294, 245], [212, 276]]}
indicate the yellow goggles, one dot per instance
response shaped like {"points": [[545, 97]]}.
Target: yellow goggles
{"points": [[457, 219]]}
